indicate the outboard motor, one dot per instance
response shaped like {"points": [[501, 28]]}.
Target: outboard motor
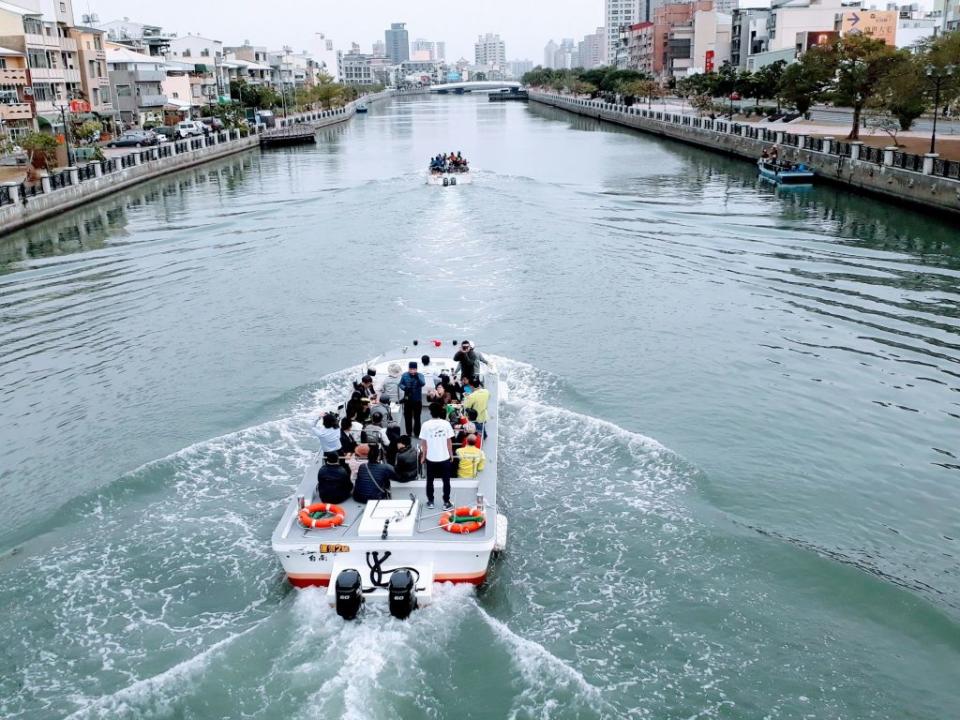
{"points": [[446, 182], [403, 594], [453, 181], [349, 594]]}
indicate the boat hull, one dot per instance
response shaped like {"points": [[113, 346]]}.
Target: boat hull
{"points": [[781, 176]]}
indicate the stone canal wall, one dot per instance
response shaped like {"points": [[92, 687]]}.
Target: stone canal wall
{"points": [[924, 180], [20, 205]]}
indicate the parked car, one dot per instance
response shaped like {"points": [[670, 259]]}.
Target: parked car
{"points": [[214, 123], [191, 128], [134, 138], [166, 132]]}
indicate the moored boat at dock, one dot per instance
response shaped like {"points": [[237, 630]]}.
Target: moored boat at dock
{"points": [[785, 173]]}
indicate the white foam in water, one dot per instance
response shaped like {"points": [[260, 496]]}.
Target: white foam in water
{"points": [[132, 588]]}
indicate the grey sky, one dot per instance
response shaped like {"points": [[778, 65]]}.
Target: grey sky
{"points": [[525, 25]]}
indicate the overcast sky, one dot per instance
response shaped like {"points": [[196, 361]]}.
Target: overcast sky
{"points": [[525, 25]]}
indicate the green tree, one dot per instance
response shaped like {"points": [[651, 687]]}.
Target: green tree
{"points": [[861, 64], [42, 149], [803, 83], [903, 90]]}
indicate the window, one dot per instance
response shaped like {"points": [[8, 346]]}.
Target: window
{"points": [[37, 59], [205, 52], [96, 96], [3, 63], [123, 91], [44, 92], [63, 7], [186, 53], [33, 26], [97, 42]]}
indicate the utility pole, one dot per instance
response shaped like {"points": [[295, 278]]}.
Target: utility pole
{"points": [[66, 132], [938, 75]]}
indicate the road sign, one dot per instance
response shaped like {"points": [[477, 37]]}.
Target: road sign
{"points": [[880, 24]]}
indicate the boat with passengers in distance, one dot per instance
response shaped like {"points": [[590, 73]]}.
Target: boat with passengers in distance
{"points": [[785, 173], [448, 170], [395, 549]]}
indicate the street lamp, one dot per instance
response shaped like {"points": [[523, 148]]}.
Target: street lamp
{"points": [[938, 75]]}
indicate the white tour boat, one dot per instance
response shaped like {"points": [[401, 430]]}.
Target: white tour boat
{"points": [[395, 550]]}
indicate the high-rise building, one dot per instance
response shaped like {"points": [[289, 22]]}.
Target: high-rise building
{"points": [[490, 50], [441, 50], [519, 68], [423, 50], [567, 56], [592, 50], [379, 48], [397, 41], [618, 13], [550, 55]]}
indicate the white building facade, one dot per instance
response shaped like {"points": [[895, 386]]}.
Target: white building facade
{"points": [[490, 50]]}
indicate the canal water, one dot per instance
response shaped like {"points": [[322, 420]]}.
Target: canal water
{"points": [[730, 455]]}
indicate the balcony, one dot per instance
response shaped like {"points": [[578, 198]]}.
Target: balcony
{"points": [[71, 75], [142, 76], [145, 101], [55, 74], [16, 111], [41, 41], [69, 44], [13, 76]]}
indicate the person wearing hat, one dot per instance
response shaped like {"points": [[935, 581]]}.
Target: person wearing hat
{"points": [[469, 358], [333, 480], [391, 384], [411, 395]]}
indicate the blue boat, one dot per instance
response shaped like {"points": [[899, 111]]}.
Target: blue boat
{"points": [[361, 108], [785, 173]]}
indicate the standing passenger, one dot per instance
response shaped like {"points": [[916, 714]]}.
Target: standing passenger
{"points": [[391, 384], [411, 391], [436, 447], [469, 359]]}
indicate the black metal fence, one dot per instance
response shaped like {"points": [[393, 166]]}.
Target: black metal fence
{"points": [[88, 172], [949, 169]]}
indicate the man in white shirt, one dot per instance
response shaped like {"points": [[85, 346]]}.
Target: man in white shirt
{"points": [[436, 448]]}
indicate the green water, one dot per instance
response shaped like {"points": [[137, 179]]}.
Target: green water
{"points": [[741, 406]]}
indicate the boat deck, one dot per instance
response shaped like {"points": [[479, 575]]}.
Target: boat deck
{"points": [[290, 533]]}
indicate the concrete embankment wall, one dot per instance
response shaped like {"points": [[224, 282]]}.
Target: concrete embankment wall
{"points": [[881, 178], [17, 214]]}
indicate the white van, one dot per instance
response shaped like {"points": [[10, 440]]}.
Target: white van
{"points": [[190, 128]]}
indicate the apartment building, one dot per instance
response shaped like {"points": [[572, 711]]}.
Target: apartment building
{"points": [[619, 14], [639, 43], [53, 72], [136, 80], [673, 37], [248, 62], [94, 77], [16, 111], [208, 80], [592, 50], [490, 50], [140, 37], [749, 34]]}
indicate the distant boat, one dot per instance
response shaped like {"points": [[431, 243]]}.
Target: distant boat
{"points": [[785, 174], [361, 108]]}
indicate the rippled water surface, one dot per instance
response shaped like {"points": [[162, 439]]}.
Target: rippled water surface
{"points": [[731, 456]]}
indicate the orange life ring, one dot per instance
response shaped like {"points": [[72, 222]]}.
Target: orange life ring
{"points": [[328, 522], [447, 520]]}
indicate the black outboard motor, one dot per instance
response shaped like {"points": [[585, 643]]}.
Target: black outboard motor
{"points": [[403, 594], [349, 594]]}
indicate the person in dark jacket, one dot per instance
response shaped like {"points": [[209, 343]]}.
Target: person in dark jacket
{"points": [[411, 392], [347, 444], [373, 478], [408, 460], [469, 359], [333, 480]]}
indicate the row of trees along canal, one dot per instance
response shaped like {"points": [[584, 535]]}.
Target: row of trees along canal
{"points": [[889, 88]]}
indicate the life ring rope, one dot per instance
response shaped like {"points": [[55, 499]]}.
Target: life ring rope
{"points": [[332, 516], [463, 520]]}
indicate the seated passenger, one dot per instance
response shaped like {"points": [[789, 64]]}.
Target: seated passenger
{"points": [[328, 435], [373, 478], [471, 458], [333, 480], [366, 388], [358, 460], [348, 443], [374, 431], [381, 406], [465, 430], [408, 460], [355, 405]]}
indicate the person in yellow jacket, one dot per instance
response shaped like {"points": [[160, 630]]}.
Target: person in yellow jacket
{"points": [[478, 399], [471, 458]]}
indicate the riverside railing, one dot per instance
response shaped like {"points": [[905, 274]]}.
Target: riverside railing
{"points": [[21, 192], [929, 164]]}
